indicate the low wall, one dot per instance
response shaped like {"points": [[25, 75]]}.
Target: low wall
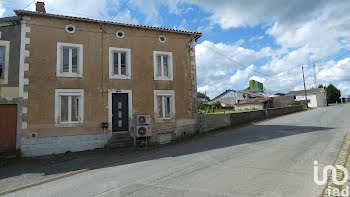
{"points": [[56, 145], [209, 122]]}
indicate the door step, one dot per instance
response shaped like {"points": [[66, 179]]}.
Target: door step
{"points": [[120, 141], [8, 154]]}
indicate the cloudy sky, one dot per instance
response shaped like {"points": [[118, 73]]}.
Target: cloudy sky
{"points": [[266, 40]]}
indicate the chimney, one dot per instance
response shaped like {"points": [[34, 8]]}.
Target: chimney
{"points": [[40, 7]]}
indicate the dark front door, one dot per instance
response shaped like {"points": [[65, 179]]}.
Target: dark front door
{"points": [[120, 112]]}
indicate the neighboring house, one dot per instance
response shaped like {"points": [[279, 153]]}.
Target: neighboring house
{"points": [[282, 100], [231, 97], [254, 103], [202, 100], [10, 94], [345, 98], [317, 97], [78, 73]]}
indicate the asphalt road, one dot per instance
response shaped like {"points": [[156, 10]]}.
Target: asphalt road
{"points": [[271, 158]]}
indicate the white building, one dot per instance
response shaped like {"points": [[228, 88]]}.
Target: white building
{"points": [[316, 97], [231, 97]]}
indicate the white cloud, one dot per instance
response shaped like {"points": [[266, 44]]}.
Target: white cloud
{"points": [[344, 88], [335, 71], [256, 38], [216, 67], [241, 75], [2, 9], [102, 9]]}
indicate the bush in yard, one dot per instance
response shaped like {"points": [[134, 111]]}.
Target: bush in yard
{"points": [[298, 102], [203, 106], [216, 105]]}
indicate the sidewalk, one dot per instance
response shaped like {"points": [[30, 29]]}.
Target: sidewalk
{"points": [[331, 189], [27, 172]]}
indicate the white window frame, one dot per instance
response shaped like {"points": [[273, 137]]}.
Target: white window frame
{"points": [[170, 65], [172, 103], [59, 66], [68, 92], [5, 66], [112, 50]]}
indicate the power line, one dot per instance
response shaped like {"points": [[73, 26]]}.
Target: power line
{"points": [[120, 9], [242, 65], [29, 4], [336, 59]]}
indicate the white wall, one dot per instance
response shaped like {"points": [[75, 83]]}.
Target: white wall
{"points": [[257, 106]]}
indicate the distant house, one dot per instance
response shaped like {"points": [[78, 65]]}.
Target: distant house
{"points": [[282, 100], [345, 98], [231, 97], [202, 100], [316, 97], [255, 103]]}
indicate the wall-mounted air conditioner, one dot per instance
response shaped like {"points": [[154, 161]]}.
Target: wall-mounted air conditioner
{"points": [[143, 119], [143, 131]]}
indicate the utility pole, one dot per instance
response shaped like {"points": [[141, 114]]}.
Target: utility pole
{"points": [[315, 74], [302, 68]]}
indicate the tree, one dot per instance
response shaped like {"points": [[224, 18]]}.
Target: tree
{"points": [[216, 105], [333, 94], [320, 86], [203, 95]]}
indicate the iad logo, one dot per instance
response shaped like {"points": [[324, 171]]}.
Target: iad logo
{"points": [[334, 174], [332, 191]]}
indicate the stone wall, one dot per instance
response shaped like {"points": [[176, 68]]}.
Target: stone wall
{"points": [[55, 145], [209, 122]]}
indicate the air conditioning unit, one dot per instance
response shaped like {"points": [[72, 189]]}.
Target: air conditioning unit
{"points": [[143, 119], [143, 131]]}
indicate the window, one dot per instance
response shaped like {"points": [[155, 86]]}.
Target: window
{"points": [[120, 34], [70, 29], [119, 63], [164, 105], [162, 39], [69, 60], [163, 65], [69, 107], [4, 61]]}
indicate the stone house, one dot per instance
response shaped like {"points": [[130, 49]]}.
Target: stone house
{"points": [[316, 97], [84, 81], [10, 94]]}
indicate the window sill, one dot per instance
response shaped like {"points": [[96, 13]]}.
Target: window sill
{"points": [[119, 77], [163, 78], [164, 119], [68, 125], [69, 75]]}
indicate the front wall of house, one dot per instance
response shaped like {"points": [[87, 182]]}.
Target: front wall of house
{"points": [[44, 35], [10, 32]]}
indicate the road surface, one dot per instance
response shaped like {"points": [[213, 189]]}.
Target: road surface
{"points": [[270, 158]]}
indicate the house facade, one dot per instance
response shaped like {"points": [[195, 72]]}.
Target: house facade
{"points": [[316, 97], [10, 99], [80, 73]]}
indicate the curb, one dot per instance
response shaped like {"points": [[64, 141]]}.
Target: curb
{"points": [[341, 159]]}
